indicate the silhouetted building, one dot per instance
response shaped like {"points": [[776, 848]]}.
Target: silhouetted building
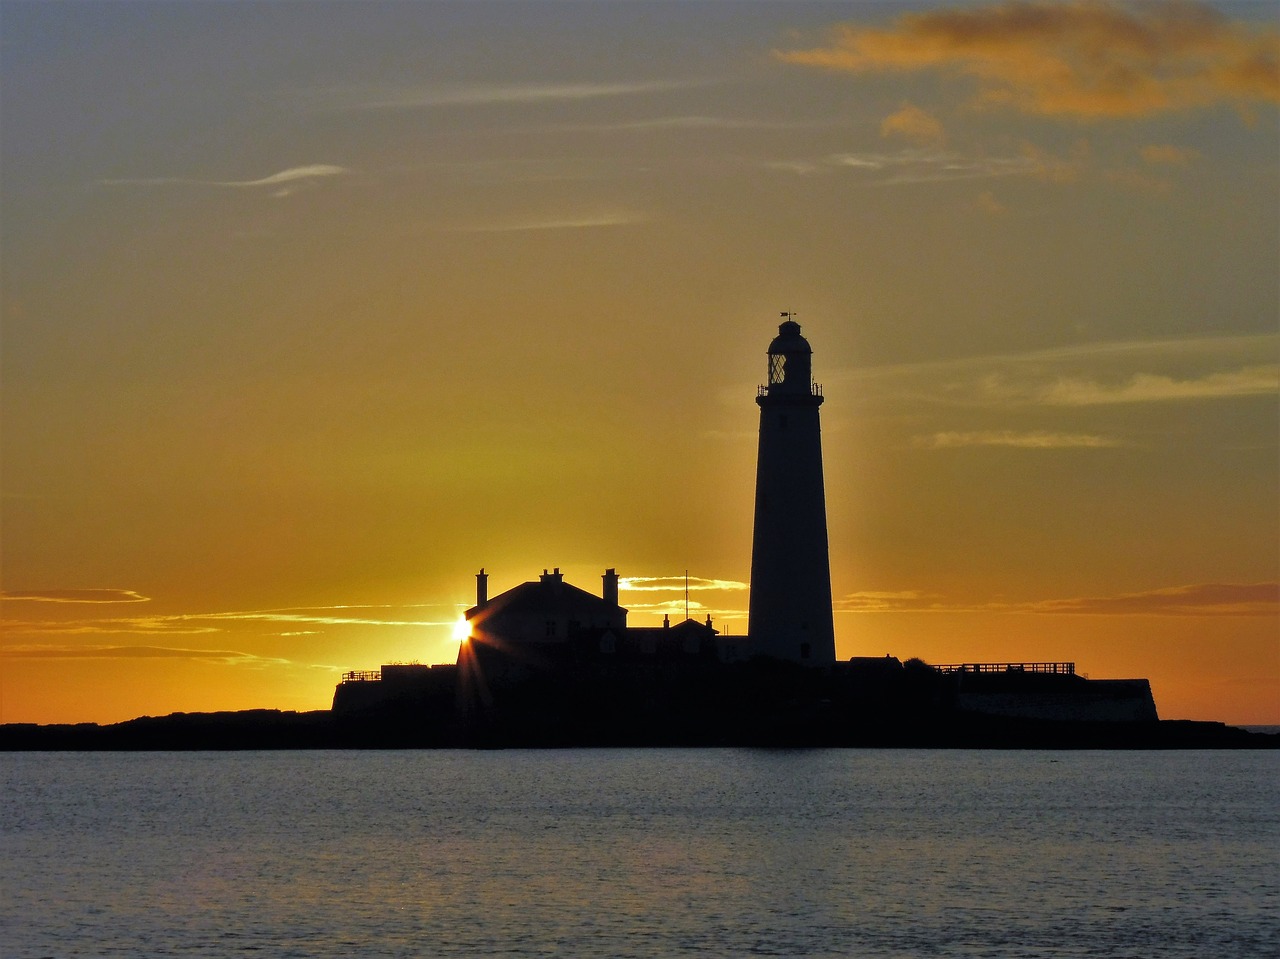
{"points": [[544, 612], [790, 613], [548, 625]]}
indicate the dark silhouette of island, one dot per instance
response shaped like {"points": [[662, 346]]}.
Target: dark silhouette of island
{"points": [[548, 664], [760, 703]]}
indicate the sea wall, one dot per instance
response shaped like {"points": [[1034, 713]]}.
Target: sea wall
{"points": [[1095, 700]]}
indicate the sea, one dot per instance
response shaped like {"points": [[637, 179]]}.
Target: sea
{"points": [[641, 853]]}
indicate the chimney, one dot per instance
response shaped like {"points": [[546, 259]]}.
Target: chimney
{"points": [[482, 587], [610, 592], [554, 577]]}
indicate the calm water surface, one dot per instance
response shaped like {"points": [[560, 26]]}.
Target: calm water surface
{"points": [[616, 853]]}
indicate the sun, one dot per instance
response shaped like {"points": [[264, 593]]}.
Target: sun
{"points": [[462, 630]]}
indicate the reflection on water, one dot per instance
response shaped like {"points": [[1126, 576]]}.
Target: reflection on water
{"points": [[640, 853]]}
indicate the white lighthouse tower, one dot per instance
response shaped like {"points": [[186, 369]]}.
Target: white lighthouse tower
{"points": [[790, 614]]}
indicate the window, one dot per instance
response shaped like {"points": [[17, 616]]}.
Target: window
{"points": [[777, 368], [551, 628], [804, 650]]}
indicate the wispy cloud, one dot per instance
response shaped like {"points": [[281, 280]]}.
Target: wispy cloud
{"points": [[1207, 599], [291, 175], [222, 621], [870, 601], [286, 182], [1202, 599], [929, 163], [682, 122], [73, 596], [584, 221], [1093, 374], [677, 610], [913, 124], [1035, 440], [1151, 388], [676, 606], [225, 656], [326, 615], [1086, 59], [915, 165], [106, 626], [473, 94], [667, 584], [669, 606]]}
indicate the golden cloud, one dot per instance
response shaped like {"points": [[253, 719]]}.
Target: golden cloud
{"points": [[226, 656], [913, 124], [663, 584], [1261, 380], [1087, 59], [1038, 440], [1201, 369], [1205, 599], [194, 623], [74, 596], [1199, 599]]}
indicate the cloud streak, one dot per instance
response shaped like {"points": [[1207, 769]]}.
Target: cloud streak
{"points": [[685, 122], [571, 222], [1202, 599], [225, 656], [1208, 599], [1036, 440], [73, 596], [287, 181], [474, 94], [1201, 369], [917, 165], [640, 584], [319, 615], [196, 623], [913, 124], [888, 601], [129, 626], [676, 609], [1151, 388], [929, 163], [1086, 60]]}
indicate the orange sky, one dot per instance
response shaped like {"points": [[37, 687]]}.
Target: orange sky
{"points": [[312, 310]]}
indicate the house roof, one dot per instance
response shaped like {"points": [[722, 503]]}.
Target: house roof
{"points": [[687, 626], [548, 595]]}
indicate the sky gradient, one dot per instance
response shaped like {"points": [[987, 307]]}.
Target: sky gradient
{"points": [[312, 310]]}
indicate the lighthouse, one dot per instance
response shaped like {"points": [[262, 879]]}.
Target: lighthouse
{"points": [[790, 611]]}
